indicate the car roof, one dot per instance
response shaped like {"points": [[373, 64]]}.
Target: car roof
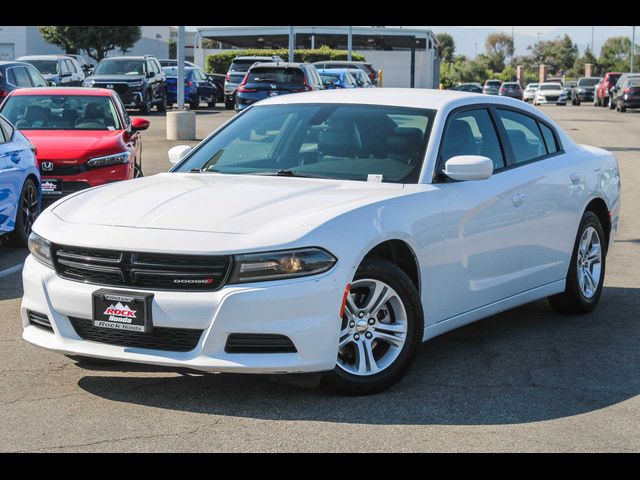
{"points": [[41, 57], [342, 62], [13, 62], [250, 57], [69, 91], [399, 97], [127, 57], [278, 64]]}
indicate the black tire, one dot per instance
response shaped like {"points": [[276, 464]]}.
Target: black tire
{"points": [[162, 106], [605, 102], [194, 104], [623, 109], [28, 210], [145, 108], [578, 102], [572, 300], [212, 103], [229, 105], [389, 273], [137, 171]]}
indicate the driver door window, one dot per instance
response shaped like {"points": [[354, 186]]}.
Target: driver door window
{"points": [[471, 132]]}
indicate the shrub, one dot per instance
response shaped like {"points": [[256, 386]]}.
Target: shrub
{"points": [[220, 62]]}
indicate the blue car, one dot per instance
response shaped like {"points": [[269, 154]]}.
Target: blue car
{"points": [[20, 195], [337, 78], [198, 87]]}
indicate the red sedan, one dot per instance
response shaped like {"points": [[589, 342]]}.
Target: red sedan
{"points": [[83, 136]]}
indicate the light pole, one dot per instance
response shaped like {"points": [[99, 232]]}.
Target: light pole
{"points": [[592, 31], [291, 43], [633, 46], [180, 68], [349, 44]]}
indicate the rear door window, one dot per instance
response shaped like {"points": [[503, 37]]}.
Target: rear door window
{"points": [[37, 79], [549, 139], [524, 136], [22, 77]]}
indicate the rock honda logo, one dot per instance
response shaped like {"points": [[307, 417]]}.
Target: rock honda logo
{"points": [[120, 313], [47, 166], [205, 281]]}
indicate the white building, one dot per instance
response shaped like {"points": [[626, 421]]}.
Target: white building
{"points": [[17, 41], [407, 56]]}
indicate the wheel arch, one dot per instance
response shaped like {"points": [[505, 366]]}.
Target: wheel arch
{"points": [[599, 207], [401, 254]]}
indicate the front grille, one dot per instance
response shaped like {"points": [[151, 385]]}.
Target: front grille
{"points": [[552, 98], [63, 170], [120, 88], [160, 338], [259, 343], [39, 320], [142, 270]]}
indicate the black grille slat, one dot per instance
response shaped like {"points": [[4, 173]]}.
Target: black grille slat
{"points": [[63, 169], [160, 338], [259, 343], [142, 270]]}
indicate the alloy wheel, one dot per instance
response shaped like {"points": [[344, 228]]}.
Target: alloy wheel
{"points": [[29, 207], [589, 260], [374, 328]]}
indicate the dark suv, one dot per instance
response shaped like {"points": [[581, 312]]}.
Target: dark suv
{"points": [[18, 75], [237, 71], [271, 79], [584, 90], [139, 81]]}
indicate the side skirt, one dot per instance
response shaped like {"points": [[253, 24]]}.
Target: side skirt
{"points": [[493, 308]]}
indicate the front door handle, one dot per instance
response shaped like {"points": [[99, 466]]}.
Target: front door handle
{"points": [[517, 199]]}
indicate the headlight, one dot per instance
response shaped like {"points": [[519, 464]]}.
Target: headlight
{"points": [[107, 160], [582, 90], [259, 267], [40, 248], [88, 83]]}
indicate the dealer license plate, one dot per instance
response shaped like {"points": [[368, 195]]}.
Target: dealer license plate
{"points": [[122, 310]]}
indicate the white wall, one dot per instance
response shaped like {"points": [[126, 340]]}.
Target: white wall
{"points": [[16, 37]]}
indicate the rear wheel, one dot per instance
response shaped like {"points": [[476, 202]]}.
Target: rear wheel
{"points": [[162, 106], [586, 271], [28, 210], [382, 327], [146, 104], [229, 105]]}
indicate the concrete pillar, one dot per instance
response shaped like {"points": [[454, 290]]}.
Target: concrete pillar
{"points": [[588, 69], [519, 74], [181, 125], [542, 73]]}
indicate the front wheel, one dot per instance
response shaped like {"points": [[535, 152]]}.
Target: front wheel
{"points": [[145, 108], [381, 329], [586, 271], [28, 210], [162, 106]]}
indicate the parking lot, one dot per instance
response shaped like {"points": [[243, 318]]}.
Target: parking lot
{"points": [[523, 380]]}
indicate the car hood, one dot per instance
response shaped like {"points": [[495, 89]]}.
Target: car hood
{"points": [[217, 203], [116, 78], [74, 146]]}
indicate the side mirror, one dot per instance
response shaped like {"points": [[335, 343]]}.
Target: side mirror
{"points": [[468, 167], [52, 83], [151, 74], [178, 152], [138, 124]]}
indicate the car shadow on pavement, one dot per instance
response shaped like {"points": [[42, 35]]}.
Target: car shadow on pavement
{"points": [[525, 365]]}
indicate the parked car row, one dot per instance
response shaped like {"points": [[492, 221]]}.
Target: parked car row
{"points": [[290, 77]]}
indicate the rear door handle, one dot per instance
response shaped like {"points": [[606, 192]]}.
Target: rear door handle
{"points": [[575, 178], [517, 199]]}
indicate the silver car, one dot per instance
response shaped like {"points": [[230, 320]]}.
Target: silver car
{"points": [[238, 69]]}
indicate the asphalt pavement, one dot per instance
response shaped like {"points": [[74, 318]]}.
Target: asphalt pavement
{"points": [[523, 380]]}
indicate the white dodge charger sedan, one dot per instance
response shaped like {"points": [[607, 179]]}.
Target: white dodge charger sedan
{"points": [[328, 231]]}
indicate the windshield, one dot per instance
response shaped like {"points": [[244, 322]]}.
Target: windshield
{"points": [[173, 71], [588, 82], [61, 112], [554, 86], [46, 67], [493, 83], [532, 86], [275, 75], [334, 141], [120, 67]]}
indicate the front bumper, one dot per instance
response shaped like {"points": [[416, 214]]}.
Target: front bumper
{"points": [[585, 96], [132, 99], [305, 310], [545, 101]]}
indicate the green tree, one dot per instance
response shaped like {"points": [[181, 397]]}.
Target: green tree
{"points": [[616, 53], [578, 66], [96, 41], [499, 46], [446, 47], [558, 54]]}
